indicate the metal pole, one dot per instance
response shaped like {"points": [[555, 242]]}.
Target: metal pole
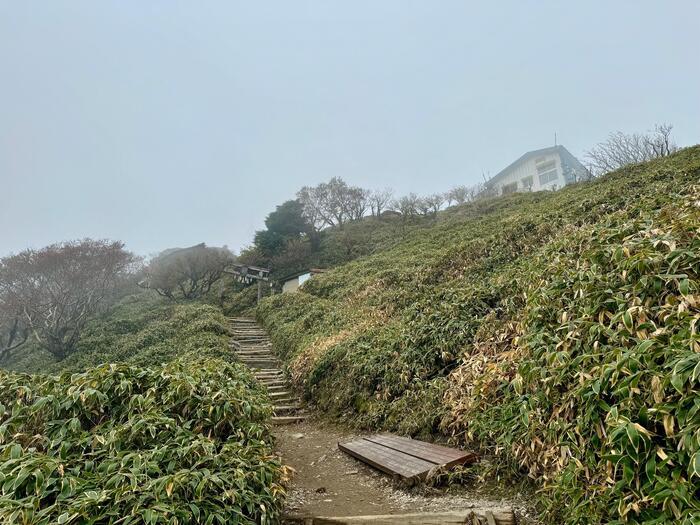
{"points": [[259, 290]]}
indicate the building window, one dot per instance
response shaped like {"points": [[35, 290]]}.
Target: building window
{"points": [[546, 166], [510, 188], [547, 172], [526, 182], [546, 178]]}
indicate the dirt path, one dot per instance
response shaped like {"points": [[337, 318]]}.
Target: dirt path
{"points": [[327, 482]]}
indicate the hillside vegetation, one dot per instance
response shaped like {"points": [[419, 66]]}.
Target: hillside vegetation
{"points": [[148, 421], [555, 332]]}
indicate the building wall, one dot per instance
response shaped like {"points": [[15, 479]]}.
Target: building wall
{"points": [[521, 174], [292, 285]]}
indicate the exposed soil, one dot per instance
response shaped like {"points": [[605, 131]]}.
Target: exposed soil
{"points": [[327, 482]]}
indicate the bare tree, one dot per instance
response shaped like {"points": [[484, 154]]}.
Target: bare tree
{"points": [[14, 332], [621, 149], [187, 273], [333, 203], [458, 195], [477, 191], [408, 205], [435, 202], [379, 200], [358, 202], [312, 201], [423, 206], [50, 294]]}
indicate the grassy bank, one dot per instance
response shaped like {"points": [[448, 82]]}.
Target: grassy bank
{"points": [[149, 421], [555, 331]]}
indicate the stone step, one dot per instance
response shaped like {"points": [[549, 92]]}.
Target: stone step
{"points": [[253, 348], [285, 409], [271, 382], [255, 353], [289, 400], [287, 420], [281, 394], [256, 364]]}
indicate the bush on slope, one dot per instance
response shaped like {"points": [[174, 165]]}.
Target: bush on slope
{"points": [[142, 329], [185, 441], [463, 328], [600, 401]]}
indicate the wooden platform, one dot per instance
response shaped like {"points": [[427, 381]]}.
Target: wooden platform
{"points": [[408, 459]]}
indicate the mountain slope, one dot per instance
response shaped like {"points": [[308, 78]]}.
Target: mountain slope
{"points": [[554, 330]]}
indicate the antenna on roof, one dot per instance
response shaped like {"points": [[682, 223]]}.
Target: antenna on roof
{"points": [[555, 138]]}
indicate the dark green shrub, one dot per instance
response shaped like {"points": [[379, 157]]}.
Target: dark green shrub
{"points": [[174, 432], [182, 443]]}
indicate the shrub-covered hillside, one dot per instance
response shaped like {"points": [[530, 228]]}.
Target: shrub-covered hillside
{"points": [[556, 332], [141, 329], [172, 431]]}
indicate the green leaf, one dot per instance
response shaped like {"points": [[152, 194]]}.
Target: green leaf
{"points": [[650, 468], [627, 320], [15, 451], [694, 466]]}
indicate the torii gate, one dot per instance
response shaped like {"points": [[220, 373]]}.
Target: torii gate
{"points": [[248, 274]]}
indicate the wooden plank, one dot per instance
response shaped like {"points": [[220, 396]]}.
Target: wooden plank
{"points": [[287, 420], [387, 460], [503, 516], [436, 454]]}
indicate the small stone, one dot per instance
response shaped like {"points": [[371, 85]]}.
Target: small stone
{"points": [[297, 436]]}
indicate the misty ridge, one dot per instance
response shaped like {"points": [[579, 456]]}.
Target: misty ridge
{"points": [[371, 262], [48, 295]]}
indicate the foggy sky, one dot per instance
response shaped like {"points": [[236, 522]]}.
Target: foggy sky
{"points": [[166, 123]]}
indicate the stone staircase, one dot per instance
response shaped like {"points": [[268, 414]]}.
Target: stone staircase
{"points": [[254, 349]]}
